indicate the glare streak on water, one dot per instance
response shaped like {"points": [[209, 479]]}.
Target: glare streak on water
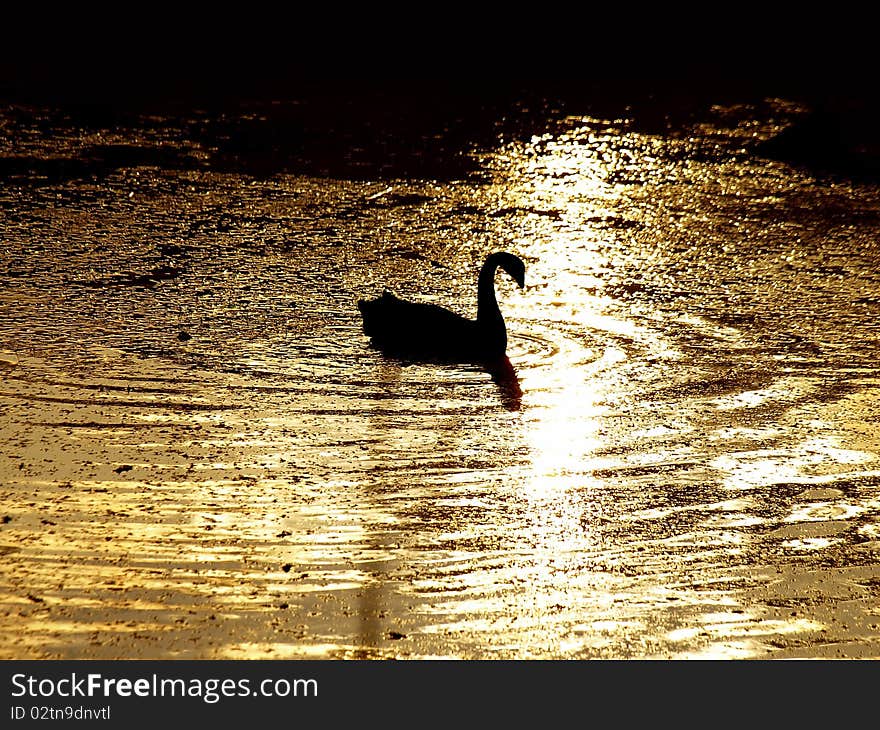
{"points": [[685, 465]]}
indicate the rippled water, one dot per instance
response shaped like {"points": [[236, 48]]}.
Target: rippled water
{"points": [[203, 457]]}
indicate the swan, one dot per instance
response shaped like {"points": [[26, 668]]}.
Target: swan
{"points": [[416, 329]]}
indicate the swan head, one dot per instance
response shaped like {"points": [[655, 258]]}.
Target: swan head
{"points": [[513, 265]]}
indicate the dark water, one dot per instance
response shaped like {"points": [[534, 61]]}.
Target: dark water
{"points": [[203, 457]]}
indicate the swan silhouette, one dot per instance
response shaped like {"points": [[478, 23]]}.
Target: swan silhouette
{"points": [[416, 329]]}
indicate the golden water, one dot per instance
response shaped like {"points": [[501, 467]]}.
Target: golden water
{"points": [[686, 463]]}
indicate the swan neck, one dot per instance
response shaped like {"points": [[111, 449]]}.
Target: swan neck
{"points": [[487, 305]]}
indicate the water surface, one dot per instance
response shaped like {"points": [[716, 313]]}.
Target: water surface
{"points": [[204, 458]]}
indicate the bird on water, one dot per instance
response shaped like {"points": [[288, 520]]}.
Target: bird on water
{"points": [[417, 329]]}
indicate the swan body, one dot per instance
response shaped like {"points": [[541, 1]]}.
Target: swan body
{"points": [[416, 329]]}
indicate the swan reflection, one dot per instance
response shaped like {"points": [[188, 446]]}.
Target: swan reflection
{"points": [[504, 376]]}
